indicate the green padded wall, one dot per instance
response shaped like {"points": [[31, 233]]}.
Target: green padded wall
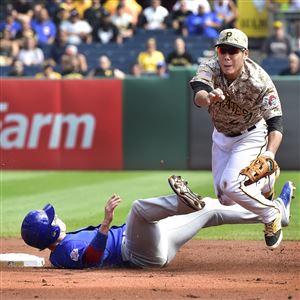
{"points": [[155, 124]]}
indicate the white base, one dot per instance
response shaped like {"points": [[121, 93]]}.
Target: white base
{"points": [[21, 260]]}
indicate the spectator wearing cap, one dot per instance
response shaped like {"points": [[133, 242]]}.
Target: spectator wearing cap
{"points": [[149, 59], [105, 69], [279, 44], [154, 17], [106, 32], [78, 31], [44, 27], [294, 67], [95, 13], [179, 56], [48, 72]]}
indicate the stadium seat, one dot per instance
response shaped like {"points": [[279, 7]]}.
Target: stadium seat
{"points": [[125, 55], [4, 70], [274, 65], [30, 71]]}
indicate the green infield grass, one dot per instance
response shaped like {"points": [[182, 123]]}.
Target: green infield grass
{"points": [[79, 198]]}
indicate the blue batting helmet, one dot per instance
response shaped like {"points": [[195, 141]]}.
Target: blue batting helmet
{"points": [[37, 229]]}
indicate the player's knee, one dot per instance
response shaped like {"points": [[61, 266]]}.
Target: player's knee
{"points": [[136, 205], [137, 208]]}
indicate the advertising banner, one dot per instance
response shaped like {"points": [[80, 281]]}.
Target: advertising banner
{"points": [[253, 18], [68, 124]]}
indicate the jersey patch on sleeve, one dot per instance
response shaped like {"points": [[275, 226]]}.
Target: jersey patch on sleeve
{"points": [[74, 255], [271, 101]]}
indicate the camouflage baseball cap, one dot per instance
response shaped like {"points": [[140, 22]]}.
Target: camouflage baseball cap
{"points": [[233, 37]]}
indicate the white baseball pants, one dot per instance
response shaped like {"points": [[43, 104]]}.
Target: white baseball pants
{"points": [[229, 156]]}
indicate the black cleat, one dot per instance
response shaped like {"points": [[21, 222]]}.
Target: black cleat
{"points": [[273, 233]]}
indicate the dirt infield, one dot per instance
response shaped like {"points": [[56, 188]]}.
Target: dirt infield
{"points": [[201, 270]]}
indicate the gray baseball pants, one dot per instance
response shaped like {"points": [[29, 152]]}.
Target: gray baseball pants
{"points": [[158, 227]]}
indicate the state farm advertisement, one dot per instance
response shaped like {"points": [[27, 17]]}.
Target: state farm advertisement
{"points": [[65, 124]]}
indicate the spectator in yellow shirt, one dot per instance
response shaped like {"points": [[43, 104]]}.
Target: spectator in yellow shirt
{"points": [[81, 6], [131, 7], [67, 5], [48, 73], [149, 59]]}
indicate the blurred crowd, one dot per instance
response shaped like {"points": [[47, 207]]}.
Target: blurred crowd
{"points": [[29, 27]]}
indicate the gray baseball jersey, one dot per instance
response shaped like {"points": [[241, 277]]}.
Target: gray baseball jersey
{"points": [[248, 99]]}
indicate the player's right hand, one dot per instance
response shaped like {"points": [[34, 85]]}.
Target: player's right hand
{"points": [[216, 95]]}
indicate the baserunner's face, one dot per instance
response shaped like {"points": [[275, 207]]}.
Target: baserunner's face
{"points": [[58, 222], [231, 60]]}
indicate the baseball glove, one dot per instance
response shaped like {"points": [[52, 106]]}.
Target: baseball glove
{"points": [[260, 167]]}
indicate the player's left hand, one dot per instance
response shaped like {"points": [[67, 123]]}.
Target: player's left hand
{"points": [[110, 207]]}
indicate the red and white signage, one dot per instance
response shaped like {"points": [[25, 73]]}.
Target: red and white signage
{"points": [[68, 124]]}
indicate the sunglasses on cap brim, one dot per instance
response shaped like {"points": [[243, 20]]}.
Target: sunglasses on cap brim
{"points": [[229, 50]]}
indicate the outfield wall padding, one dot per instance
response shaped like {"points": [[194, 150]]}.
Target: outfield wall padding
{"points": [[106, 124], [155, 128]]}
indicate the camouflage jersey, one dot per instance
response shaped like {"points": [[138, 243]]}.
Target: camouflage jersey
{"points": [[248, 99]]}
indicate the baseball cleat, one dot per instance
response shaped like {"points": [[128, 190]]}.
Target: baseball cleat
{"points": [[284, 202], [286, 194], [181, 189], [273, 233]]}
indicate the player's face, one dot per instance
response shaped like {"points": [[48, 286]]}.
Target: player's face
{"points": [[58, 222], [231, 60]]}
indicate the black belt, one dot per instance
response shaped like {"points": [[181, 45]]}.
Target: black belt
{"points": [[240, 133]]}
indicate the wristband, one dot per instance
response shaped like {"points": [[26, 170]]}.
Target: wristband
{"points": [[269, 154]]}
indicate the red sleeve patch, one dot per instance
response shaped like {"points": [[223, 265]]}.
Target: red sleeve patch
{"points": [[92, 255], [272, 99]]}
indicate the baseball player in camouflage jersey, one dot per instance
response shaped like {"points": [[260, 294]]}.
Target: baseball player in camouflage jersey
{"points": [[155, 229], [246, 112]]}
